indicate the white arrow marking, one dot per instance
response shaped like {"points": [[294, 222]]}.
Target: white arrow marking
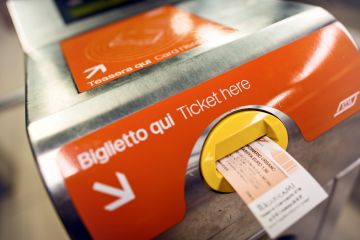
{"points": [[95, 69], [125, 194]]}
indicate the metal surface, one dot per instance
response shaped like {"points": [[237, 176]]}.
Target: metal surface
{"points": [[344, 183], [58, 114], [133, 99]]}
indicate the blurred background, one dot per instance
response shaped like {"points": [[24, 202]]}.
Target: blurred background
{"points": [[25, 209]]}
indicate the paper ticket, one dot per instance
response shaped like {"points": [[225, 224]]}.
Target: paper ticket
{"points": [[276, 188]]}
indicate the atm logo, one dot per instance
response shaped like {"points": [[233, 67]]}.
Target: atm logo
{"points": [[346, 104]]}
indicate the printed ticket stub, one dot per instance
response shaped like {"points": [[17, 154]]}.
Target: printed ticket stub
{"points": [[276, 188]]}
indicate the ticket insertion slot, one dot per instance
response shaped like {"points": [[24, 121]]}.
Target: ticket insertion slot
{"points": [[233, 132]]}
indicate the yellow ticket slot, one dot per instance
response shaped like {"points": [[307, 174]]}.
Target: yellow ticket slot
{"points": [[232, 133]]}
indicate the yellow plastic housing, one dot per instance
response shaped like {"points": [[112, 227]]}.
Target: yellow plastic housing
{"points": [[232, 133]]}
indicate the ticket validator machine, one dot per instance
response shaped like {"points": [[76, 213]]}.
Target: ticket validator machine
{"points": [[129, 109]]}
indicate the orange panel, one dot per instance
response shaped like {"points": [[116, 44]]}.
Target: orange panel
{"points": [[114, 51]]}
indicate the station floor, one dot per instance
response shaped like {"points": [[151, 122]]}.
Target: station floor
{"points": [[25, 208]]}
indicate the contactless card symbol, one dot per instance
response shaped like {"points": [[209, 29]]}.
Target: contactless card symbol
{"points": [[142, 37], [95, 69], [124, 194], [346, 104]]}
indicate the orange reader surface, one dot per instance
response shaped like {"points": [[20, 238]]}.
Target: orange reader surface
{"points": [[109, 53]]}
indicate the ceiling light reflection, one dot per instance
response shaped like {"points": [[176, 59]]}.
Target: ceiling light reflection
{"points": [[321, 51], [181, 23]]}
